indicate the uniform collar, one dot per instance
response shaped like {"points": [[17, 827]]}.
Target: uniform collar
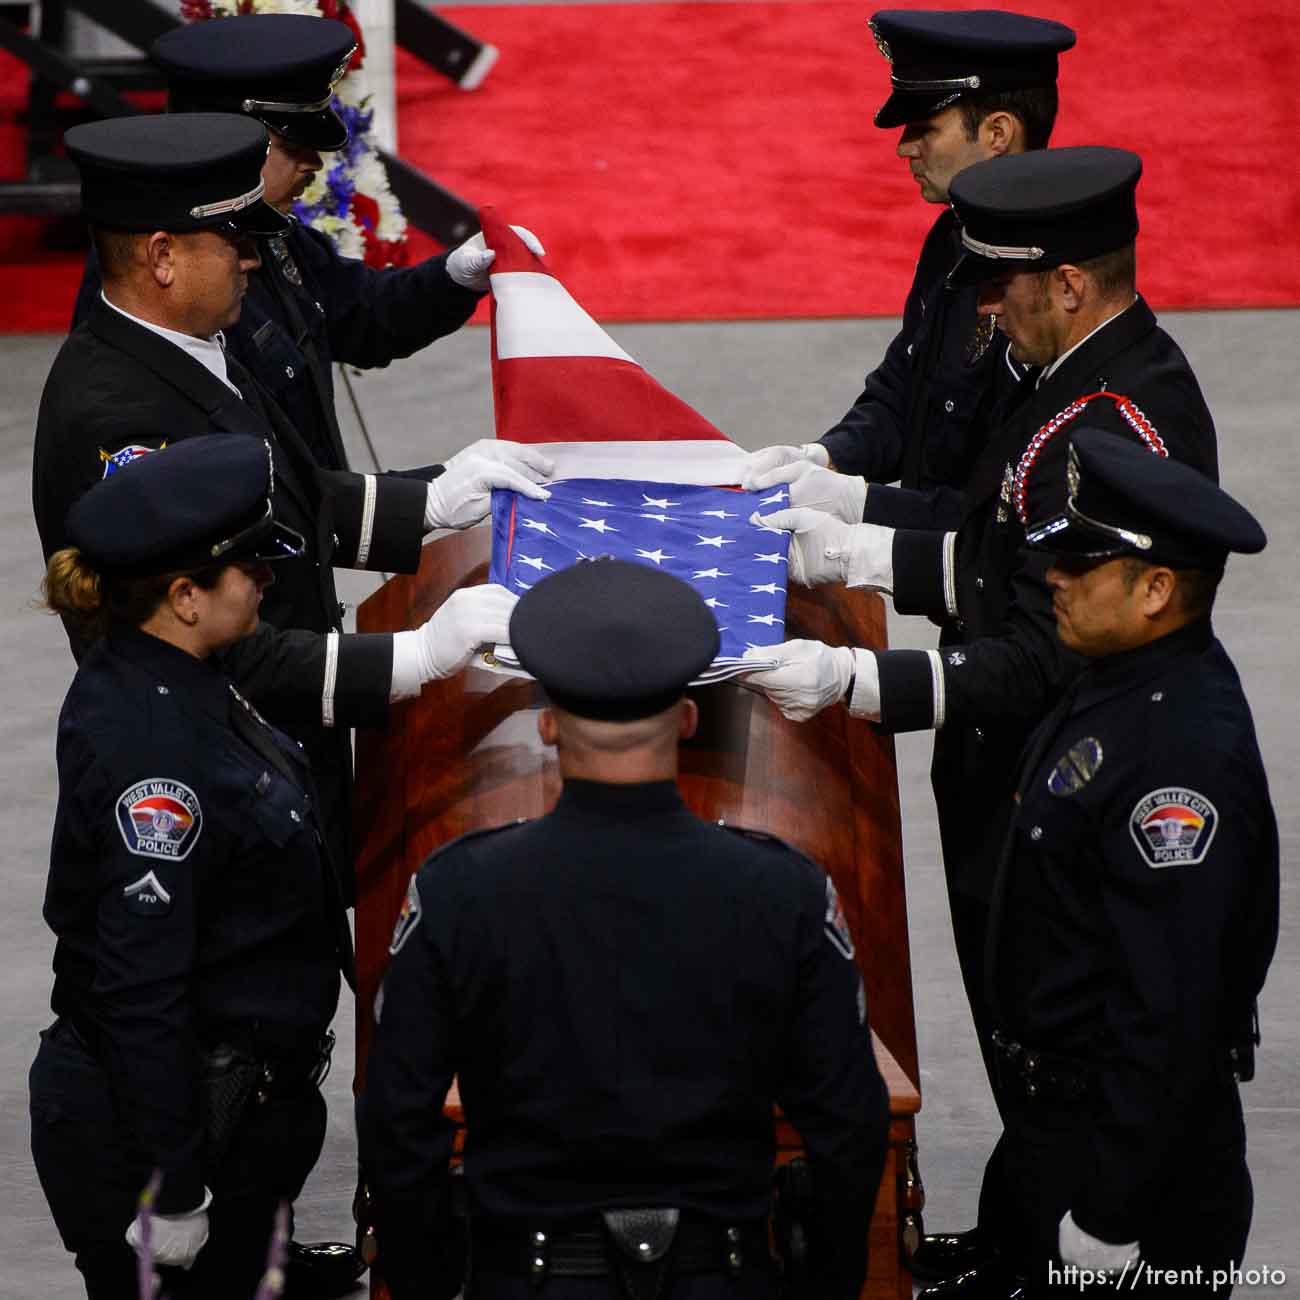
{"points": [[619, 802], [198, 681], [1123, 671]]}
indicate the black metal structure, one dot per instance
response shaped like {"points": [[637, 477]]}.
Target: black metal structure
{"points": [[50, 184]]}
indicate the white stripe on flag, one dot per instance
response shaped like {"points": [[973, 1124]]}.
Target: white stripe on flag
{"points": [[537, 317], [713, 462]]}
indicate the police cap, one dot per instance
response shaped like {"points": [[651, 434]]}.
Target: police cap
{"points": [[936, 56], [199, 172], [612, 640], [204, 501], [1122, 500], [1033, 211], [278, 68]]}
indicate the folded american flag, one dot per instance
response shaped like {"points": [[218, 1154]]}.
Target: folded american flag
{"points": [[699, 534]]}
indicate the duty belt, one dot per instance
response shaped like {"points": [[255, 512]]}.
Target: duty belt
{"points": [[1038, 1075], [626, 1242]]}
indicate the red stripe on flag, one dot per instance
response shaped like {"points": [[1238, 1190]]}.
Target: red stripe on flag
{"points": [[589, 399]]}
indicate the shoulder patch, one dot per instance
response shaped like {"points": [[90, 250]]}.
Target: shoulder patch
{"points": [[123, 456], [159, 818], [407, 919], [146, 896], [1173, 826], [837, 924]]}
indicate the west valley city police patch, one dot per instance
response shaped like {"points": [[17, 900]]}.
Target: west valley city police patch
{"points": [[159, 818], [837, 924], [407, 918], [123, 456], [1173, 827]]}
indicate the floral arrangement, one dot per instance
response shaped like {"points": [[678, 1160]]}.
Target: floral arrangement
{"points": [[350, 200]]}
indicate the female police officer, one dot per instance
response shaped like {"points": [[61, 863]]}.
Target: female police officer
{"points": [[201, 931]]}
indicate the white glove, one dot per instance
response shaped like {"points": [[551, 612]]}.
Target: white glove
{"points": [[518, 455], [1085, 1251], [469, 263], [769, 458], [468, 618], [841, 495], [175, 1239], [811, 677], [462, 494], [823, 549]]}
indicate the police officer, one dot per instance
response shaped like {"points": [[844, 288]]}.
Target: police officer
{"points": [[1136, 906], [174, 203], [308, 306], [1050, 237], [623, 991], [964, 86], [201, 932]]}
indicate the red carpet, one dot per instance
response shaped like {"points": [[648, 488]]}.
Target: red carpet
{"points": [[717, 161]]}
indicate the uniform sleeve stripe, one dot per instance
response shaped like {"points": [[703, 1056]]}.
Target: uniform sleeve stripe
{"points": [[936, 676], [950, 574], [331, 678], [367, 520]]}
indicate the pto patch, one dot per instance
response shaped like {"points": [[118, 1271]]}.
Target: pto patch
{"points": [[123, 456], [407, 918], [159, 819], [1173, 827], [1076, 767], [147, 897], [837, 925]]}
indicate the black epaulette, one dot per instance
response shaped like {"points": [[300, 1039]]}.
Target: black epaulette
{"points": [[481, 833]]}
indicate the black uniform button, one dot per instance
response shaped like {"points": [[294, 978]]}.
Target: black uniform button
{"points": [[950, 406], [1036, 834], [295, 815], [979, 733], [909, 349], [979, 584], [539, 1238], [1157, 696], [162, 690], [288, 372]]}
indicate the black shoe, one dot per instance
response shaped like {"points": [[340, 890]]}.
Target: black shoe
{"points": [[945, 1254], [321, 1270], [987, 1281]]}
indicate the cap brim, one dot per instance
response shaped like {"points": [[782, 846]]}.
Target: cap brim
{"points": [[975, 269], [1061, 535], [258, 218], [278, 542], [904, 106], [324, 130]]}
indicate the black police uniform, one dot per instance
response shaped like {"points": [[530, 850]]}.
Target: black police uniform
{"points": [[116, 385], [623, 991], [237, 938], [307, 306], [922, 411], [200, 927], [919, 414], [1124, 978]]}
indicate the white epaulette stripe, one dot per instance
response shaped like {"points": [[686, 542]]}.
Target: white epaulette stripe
{"points": [[331, 679], [367, 520], [940, 694], [950, 574]]}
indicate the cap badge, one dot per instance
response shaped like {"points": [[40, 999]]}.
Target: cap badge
{"points": [[881, 44]]}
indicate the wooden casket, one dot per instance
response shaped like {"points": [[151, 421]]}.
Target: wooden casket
{"points": [[466, 755]]}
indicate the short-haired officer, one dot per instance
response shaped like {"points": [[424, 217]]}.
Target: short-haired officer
{"points": [[306, 305], [965, 86], [623, 990], [201, 932], [1050, 238], [1135, 911]]}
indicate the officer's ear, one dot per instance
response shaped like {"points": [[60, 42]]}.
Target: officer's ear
{"points": [[688, 721], [547, 728], [1001, 133], [1071, 285], [160, 255], [1158, 587]]}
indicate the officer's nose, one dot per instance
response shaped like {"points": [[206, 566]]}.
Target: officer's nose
{"points": [[990, 298], [909, 143]]}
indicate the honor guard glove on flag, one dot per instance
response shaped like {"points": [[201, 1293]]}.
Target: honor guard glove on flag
{"points": [[811, 677], [823, 549], [462, 494], [517, 455], [769, 458], [469, 264], [1085, 1251], [174, 1239], [841, 495], [467, 619]]}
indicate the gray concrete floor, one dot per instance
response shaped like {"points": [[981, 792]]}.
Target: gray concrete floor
{"points": [[761, 382]]}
